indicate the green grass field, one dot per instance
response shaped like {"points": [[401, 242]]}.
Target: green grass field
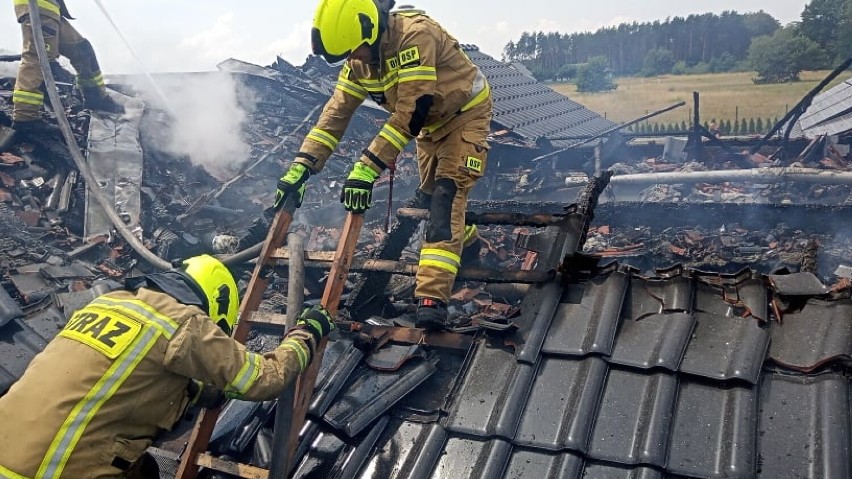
{"points": [[723, 96]]}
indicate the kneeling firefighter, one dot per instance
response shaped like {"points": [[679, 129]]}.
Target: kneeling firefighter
{"points": [[129, 363], [408, 64]]}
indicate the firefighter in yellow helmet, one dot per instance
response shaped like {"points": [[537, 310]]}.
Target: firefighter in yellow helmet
{"points": [[60, 38], [408, 64], [128, 364]]}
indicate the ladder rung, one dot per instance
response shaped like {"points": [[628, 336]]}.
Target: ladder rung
{"points": [[267, 317], [240, 470]]}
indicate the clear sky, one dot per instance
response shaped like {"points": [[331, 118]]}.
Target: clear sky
{"points": [[194, 35]]}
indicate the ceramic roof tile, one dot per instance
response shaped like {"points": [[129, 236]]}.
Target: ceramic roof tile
{"points": [[634, 418], [714, 431], [818, 334], [563, 403], [805, 426], [589, 326], [726, 348], [658, 340]]}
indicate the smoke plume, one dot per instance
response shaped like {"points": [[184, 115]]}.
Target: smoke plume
{"points": [[207, 111]]}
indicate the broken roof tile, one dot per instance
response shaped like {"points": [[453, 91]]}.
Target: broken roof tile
{"points": [[589, 326], [714, 431], [341, 357], [658, 340], [804, 426], [798, 284], [370, 393], [654, 296], [490, 396], [816, 335], [726, 348], [634, 419], [561, 409]]}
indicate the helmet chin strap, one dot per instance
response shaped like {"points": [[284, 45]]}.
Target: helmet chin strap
{"points": [[384, 12]]}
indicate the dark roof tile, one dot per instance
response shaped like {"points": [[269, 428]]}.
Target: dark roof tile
{"points": [[714, 431], [490, 396], [634, 419], [816, 335], [406, 449], [562, 405], [370, 393], [804, 427], [726, 348], [658, 340], [526, 463], [464, 458], [589, 326]]}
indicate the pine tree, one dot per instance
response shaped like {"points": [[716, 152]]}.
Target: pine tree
{"points": [[759, 125], [656, 127], [752, 129], [683, 126], [726, 127], [743, 126], [736, 130]]}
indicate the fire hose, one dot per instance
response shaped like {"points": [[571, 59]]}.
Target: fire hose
{"points": [[68, 135]]}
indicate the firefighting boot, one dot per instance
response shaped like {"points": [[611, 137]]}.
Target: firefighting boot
{"points": [[431, 314], [33, 129], [95, 99]]}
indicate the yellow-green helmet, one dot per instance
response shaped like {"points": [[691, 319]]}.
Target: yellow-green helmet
{"points": [[341, 26], [217, 284]]}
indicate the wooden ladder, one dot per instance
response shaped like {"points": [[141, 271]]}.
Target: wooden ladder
{"points": [[195, 455]]}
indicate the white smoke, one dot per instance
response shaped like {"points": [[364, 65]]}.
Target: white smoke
{"points": [[207, 110]]}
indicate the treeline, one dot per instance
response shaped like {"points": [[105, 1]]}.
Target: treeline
{"points": [[742, 126], [699, 43]]}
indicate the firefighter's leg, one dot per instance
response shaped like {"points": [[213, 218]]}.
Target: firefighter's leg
{"points": [[28, 97], [462, 158], [90, 79], [427, 161]]}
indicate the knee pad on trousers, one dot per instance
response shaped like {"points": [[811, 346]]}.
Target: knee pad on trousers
{"points": [[85, 53], [422, 200], [441, 211]]}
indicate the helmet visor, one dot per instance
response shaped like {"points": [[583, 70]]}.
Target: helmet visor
{"points": [[319, 49]]}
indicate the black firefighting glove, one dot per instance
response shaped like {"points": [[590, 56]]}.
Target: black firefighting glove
{"points": [[292, 185], [357, 194], [317, 321], [204, 395]]}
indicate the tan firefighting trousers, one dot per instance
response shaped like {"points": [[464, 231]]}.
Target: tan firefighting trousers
{"points": [[60, 38], [450, 164]]}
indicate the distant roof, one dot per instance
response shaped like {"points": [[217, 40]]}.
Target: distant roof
{"points": [[830, 113], [529, 108]]}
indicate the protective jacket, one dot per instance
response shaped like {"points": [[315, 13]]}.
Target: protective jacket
{"points": [[49, 8], [91, 403], [421, 76]]}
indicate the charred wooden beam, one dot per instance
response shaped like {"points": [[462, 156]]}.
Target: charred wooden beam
{"points": [[515, 219], [323, 260]]}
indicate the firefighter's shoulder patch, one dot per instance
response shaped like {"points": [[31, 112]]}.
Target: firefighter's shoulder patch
{"points": [[409, 57], [107, 334]]}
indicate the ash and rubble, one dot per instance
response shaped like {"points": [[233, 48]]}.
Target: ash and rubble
{"points": [[201, 192]]}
